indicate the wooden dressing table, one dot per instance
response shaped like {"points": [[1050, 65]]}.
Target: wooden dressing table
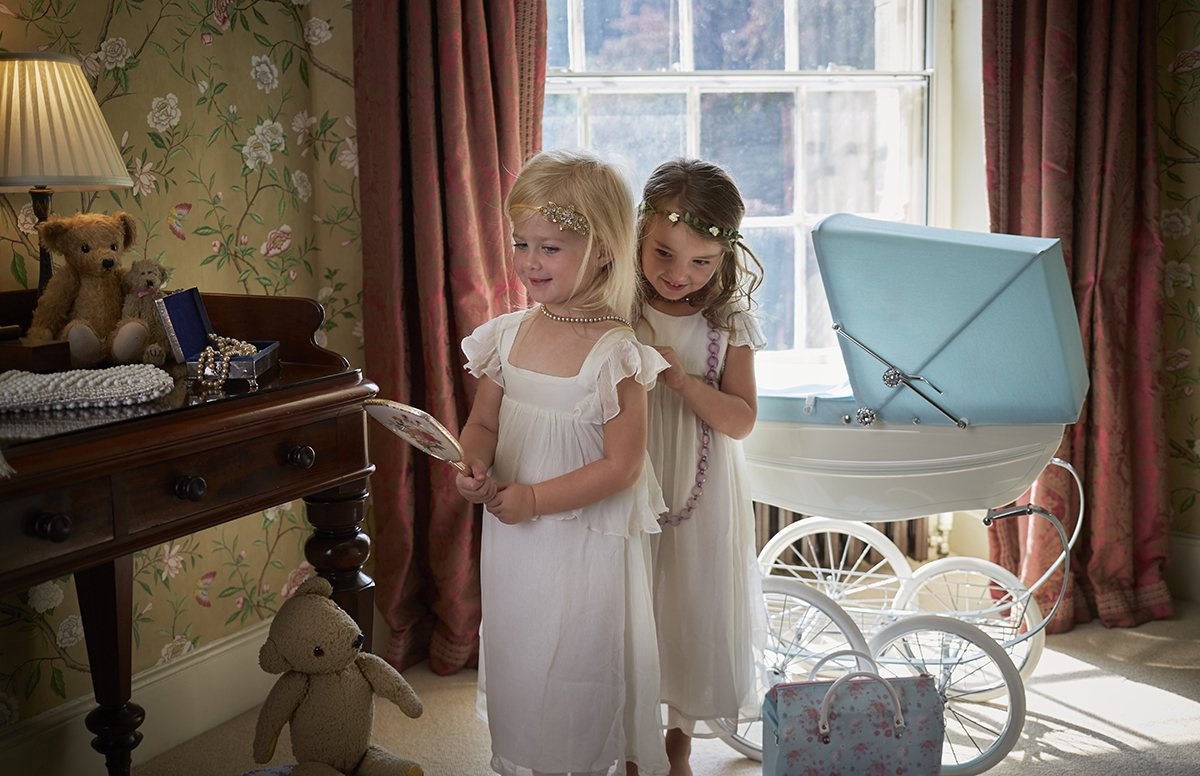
{"points": [[85, 499]]}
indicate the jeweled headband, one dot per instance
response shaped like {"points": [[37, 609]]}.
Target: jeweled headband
{"points": [[564, 217], [712, 230]]}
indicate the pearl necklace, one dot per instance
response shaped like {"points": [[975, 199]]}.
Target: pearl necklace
{"points": [[666, 518], [659, 297], [217, 360], [565, 319]]}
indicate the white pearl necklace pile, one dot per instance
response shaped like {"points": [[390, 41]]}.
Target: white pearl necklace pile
{"points": [[109, 387]]}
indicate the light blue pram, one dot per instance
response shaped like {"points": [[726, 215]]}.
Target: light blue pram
{"points": [[964, 364]]}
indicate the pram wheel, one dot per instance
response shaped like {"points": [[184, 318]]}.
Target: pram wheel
{"points": [[854, 564], [803, 625], [965, 663], [986, 595]]}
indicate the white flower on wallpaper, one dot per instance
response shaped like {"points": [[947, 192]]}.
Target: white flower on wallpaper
{"points": [[348, 156], [1178, 359], [257, 151], [1176, 273], [221, 13], [164, 113], [1185, 62], [44, 597], [264, 73], [278, 241], [113, 52], [296, 577], [316, 31], [70, 631], [144, 181], [174, 649], [301, 185], [91, 64], [10, 714], [26, 220], [272, 132], [1175, 223], [172, 561], [300, 124], [202, 85]]}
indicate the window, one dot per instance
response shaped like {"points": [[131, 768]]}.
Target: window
{"points": [[815, 107]]}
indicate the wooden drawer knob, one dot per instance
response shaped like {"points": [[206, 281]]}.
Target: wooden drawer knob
{"points": [[191, 488], [301, 457], [55, 528]]}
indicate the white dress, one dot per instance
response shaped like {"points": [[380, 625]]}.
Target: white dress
{"points": [[568, 667], [707, 589]]}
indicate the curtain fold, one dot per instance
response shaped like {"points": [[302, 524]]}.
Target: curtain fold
{"points": [[1070, 137], [448, 99]]}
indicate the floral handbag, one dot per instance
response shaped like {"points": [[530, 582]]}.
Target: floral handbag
{"points": [[859, 724]]}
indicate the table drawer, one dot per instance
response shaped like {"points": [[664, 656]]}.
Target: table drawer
{"points": [[72, 518], [241, 475]]}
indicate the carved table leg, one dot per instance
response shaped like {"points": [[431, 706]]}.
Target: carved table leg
{"points": [[338, 549], [106, 605]]}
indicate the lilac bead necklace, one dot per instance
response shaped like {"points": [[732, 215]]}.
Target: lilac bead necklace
{"points": [[667, 518]]}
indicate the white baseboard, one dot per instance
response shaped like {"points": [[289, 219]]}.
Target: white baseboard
{"points": [[182, 700], [1183, 572]]}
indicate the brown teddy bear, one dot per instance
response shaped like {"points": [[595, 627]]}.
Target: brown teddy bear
{"points": [[327, 690], [145, 280], [82, 302]]}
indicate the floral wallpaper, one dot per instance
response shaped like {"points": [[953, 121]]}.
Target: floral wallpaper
{"points": [[1179, 160], [236, 121]]}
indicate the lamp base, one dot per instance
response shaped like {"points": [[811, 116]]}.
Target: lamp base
{"points": [[41, 196]]}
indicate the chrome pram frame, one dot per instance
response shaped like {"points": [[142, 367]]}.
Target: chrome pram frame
{"points": [[834, 585]]}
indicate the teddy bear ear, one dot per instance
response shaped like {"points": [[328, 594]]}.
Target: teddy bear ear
{"points": [[270, 659], [52, 232], [315, 586], [130, 226]]}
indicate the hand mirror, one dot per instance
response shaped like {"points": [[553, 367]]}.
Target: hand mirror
{"points": [[419, 429]]}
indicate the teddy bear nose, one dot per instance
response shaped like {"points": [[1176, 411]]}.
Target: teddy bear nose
{"points": [[107, 263], [358, 641]]}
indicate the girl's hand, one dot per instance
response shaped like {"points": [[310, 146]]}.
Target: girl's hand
{"points": [[514, 503], [476, 486], [674, 376]]}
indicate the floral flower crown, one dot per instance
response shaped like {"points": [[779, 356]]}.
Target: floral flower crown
{"points": [[712, 230], [564, 217]]}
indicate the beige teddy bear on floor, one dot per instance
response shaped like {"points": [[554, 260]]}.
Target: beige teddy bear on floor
{"points": [[82, 302], [327, 690], [145, 280]]}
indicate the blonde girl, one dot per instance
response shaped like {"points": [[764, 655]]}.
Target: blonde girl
{"points": [[697, 277], [556, 449]]}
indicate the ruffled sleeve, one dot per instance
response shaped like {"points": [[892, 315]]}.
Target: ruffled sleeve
{"points": [[482, 349], [626, 358], [747, 330]]}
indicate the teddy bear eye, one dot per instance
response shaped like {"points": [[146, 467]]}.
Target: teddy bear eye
{"points": [[85, 248], [113, 246], [318, 652]]}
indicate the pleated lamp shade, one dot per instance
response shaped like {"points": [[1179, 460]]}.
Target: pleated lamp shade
{"points": [[52, 133]]}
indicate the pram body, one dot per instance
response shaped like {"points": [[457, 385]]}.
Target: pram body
{"points": [[982, 332]]}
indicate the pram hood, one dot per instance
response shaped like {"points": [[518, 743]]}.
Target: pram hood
{"points": [[989, 319]]}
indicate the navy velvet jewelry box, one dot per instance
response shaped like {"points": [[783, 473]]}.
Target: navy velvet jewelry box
{"points": [[186, 321]]}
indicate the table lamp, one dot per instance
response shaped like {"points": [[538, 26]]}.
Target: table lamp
{"points": [[54, 136]]}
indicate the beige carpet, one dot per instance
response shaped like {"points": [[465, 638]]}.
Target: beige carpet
{"points": [[1122, 702]]}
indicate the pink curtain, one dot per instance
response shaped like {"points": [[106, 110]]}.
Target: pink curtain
{"points": [[448, 96], [1069, 114]]}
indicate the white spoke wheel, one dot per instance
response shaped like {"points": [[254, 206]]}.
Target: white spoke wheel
{"points": [[986, 595], [961, 658], [854, 564], [803, 625]]}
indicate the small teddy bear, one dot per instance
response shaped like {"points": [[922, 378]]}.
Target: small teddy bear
{"points": [[145, 280], [327, 690], [82, 302]]}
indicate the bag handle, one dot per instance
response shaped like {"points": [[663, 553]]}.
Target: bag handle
{"points": [[863, 657], [824, 725]]}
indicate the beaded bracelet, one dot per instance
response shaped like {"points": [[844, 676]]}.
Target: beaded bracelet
{"points": [[666, 518]]}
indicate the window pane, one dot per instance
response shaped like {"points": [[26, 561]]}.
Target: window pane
{"points": [[738, 35], [776, 297], [621, 124], [865, 152], [558, 55], [633, 35], [839, 32], [751, 136], [560, 121]]}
